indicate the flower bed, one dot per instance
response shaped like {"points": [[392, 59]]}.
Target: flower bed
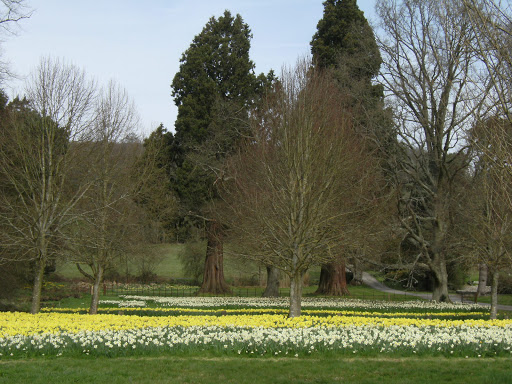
{"points": [[284, 302], [56, 334], [140, 310]]}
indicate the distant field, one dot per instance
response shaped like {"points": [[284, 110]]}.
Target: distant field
{"points": [[236, 271], [168, 267]]}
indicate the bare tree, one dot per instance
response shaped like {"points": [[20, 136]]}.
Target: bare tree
{"points": [[36, 162], [491, 234], [104, 229], [492, 136], [492, 43], [285, 188], [11, 12], [430, 73]]}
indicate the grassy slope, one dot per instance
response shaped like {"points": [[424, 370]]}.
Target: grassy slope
{"points": [[170, 266], [242, 370]]}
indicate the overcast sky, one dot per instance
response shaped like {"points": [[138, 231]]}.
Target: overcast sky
{"points": [[139, 43]]}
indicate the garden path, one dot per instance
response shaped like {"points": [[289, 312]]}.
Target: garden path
{"points": [[375, 284]]}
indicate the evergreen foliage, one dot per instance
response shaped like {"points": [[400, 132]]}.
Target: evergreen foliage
{"points": [[344, 31], [214, 89], [345, 45], [215, 66]]}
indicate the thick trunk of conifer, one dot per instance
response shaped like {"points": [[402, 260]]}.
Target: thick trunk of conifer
{"points": [[213, 277], [333, 279], [272, 289]]}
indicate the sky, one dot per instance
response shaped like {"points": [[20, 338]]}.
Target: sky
{"points": [[139, 43]]}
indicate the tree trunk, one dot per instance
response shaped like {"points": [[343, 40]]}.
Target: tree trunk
{"points": [[272, 289], [357, 272], [333, 279], [482, 279], [95, 299], [440, 275], [295, 295], [38, 285], [494, 294], [213, 277]]}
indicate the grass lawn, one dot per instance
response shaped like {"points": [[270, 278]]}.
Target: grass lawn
{"points": [[195, 369], [502, 299]]}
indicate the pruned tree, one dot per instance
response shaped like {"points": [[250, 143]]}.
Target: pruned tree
{"points": [[38, 155], [430, 74], [286, 186]]}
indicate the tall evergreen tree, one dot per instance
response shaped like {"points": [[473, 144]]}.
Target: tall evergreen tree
{"points": [[345, 45], [344, 33], [213, 90], [215, 66]]}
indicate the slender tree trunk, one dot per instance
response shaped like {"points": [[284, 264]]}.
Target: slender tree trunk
{"points": [[38, 284], [272, 289], [494, 294], [482, 279], [333, 279], [440, 275], [295, 295], [213, 277], [95, 299]]}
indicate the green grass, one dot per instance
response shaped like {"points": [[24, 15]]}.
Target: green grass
{"points": [[240, 370], [502, 299], [168, 267], [236, 271]]}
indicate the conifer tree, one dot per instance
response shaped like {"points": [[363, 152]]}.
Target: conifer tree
{"points": [[345, 46], [213, 90]]}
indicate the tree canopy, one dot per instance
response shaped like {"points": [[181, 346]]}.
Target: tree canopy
{"points": [[216, 65], [343, 30]]}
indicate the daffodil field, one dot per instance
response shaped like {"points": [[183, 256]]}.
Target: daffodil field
{"points": [[135, 326]]}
